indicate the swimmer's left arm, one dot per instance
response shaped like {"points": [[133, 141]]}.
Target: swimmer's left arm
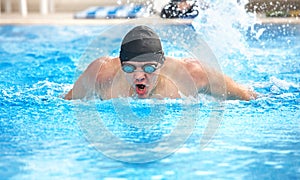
{"points": [[212, 82], [237, 91]]}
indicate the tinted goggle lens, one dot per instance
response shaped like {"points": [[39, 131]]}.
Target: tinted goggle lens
{"points": [[128, 68], [149, 68]]}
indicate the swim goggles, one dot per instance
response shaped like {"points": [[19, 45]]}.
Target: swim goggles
{"points": [[147, 68]]}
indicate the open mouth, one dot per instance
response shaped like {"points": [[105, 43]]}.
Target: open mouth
{"points": [[140, 89], [140, 86]]}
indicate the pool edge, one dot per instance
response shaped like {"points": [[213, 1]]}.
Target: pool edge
{"points": [[68, 19]]}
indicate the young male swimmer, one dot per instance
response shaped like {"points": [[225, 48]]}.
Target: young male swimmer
{"points": [[142, 71]]}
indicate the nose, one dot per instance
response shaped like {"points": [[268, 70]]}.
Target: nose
{"points": [[139, 76], [140, 79]]}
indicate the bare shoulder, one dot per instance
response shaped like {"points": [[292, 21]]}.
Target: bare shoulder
{"points": [[101, 69], [101, 62], [107, 68], [195, 67], [187, 69], [192, 63], [183, 62]]}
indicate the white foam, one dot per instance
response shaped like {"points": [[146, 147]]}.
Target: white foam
{"points": [[282, 84], [224, 35]]}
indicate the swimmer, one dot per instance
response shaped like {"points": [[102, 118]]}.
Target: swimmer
{"points": [[143, 71]]}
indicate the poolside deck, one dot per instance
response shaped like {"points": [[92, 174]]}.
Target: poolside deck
{"points": [[67, 19]]}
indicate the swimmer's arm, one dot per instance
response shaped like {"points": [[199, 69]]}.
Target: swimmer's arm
{"points": [[237, 91], [85, 84], [212, 82], [228, 88], [69, 95], [221, 85]]}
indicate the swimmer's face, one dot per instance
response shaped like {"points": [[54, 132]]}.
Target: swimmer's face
{"points": [[142, 76]]}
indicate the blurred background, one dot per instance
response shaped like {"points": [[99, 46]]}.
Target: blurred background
{"points": [[59, 6], [66, 9], [277, 8]]}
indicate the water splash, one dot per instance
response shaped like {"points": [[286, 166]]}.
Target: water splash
{"points": [[222, 26]]}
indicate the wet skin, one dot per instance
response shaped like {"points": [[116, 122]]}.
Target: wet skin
{"points": [[104, 78]]}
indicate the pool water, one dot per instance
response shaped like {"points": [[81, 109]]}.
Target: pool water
{"points": [[44, 136]]}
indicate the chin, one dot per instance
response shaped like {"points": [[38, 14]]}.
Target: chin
{"points": [[143, 96]]}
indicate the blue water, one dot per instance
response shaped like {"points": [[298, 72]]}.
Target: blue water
{"points": [[44, 136]]}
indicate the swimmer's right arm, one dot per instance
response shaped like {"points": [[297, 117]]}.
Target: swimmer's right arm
{"points": [[85, 84]]}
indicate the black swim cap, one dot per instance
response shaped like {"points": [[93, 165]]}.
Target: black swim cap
{"points": [[141, 44]]}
